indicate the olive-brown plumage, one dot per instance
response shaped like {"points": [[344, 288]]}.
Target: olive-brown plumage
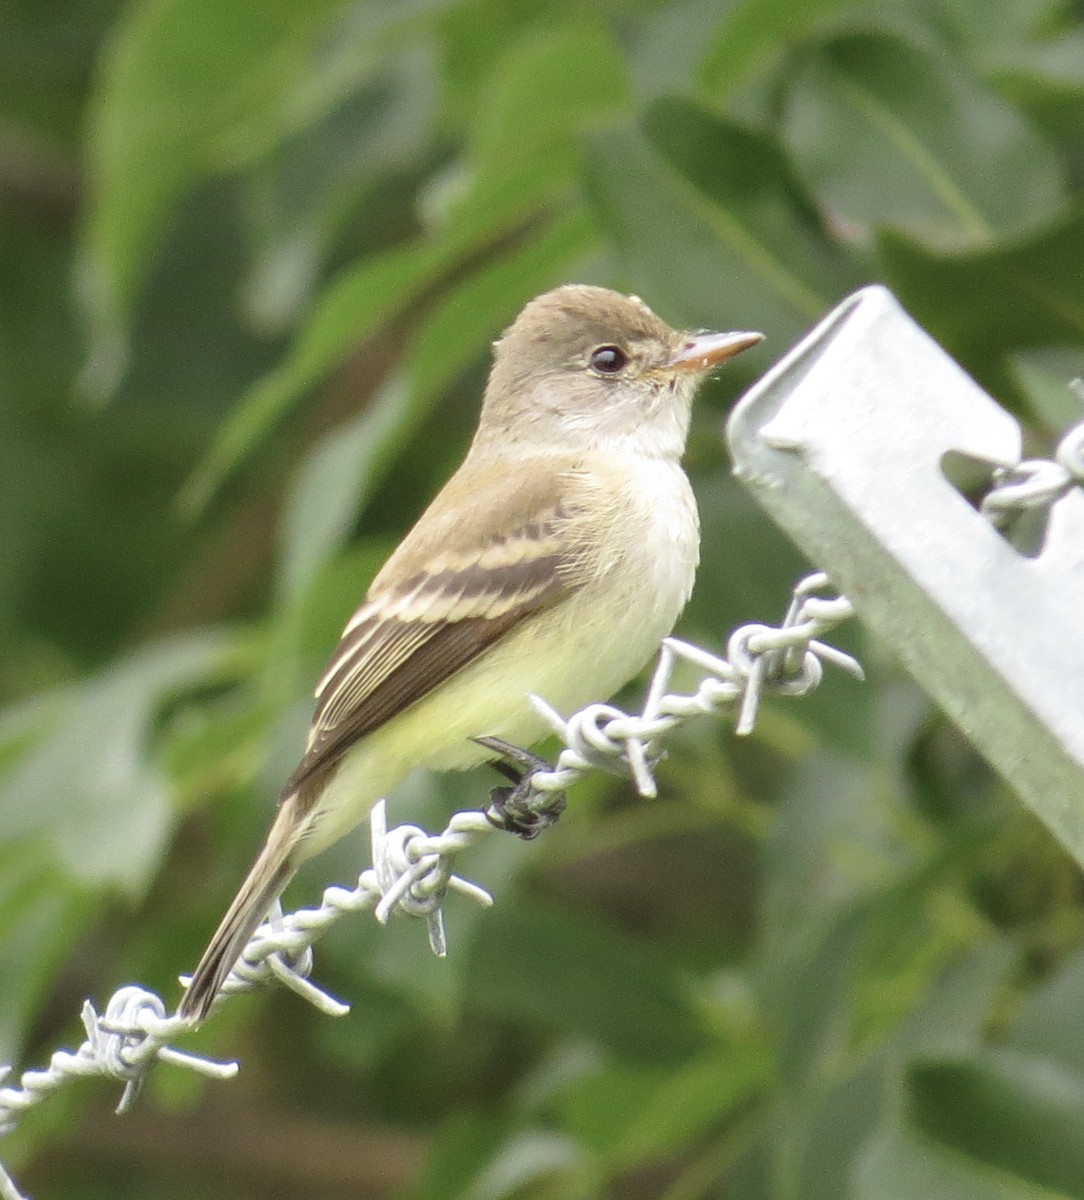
{"points": [[552, 562]]}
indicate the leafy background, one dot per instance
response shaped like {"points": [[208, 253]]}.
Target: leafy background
{"points": [[251, 257]]}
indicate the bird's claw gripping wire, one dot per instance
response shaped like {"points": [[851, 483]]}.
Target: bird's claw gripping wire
{"points": [[520, 809]]}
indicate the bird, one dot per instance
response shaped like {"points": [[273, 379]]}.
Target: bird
{"points": [[552, 562]]}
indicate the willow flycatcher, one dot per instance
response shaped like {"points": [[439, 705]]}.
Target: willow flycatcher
{"points": [[552, 562]]}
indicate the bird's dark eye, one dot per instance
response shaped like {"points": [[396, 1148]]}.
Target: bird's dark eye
{"points": [[608, 359]]}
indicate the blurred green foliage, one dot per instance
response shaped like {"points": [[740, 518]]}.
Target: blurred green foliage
{"points": [[251, 257]]}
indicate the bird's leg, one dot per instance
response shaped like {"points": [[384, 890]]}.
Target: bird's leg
{"points": [[518, 809]]}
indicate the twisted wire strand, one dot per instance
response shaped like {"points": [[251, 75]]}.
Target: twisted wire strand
{"points": [[411, 871], [1040, 482]]}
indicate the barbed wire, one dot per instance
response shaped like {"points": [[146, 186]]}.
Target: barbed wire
{"points": [[412, 869]]}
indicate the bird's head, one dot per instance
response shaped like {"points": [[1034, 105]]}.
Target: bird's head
{"points": [[585, 365]]}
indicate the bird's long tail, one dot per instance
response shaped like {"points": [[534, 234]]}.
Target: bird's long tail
{"points": [[270, 873]]}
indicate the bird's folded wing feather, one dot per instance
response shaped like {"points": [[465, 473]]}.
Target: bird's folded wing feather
{"points": [[440, 601]]}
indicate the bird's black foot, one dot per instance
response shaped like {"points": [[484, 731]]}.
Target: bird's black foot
{"points": [[518, 809]]}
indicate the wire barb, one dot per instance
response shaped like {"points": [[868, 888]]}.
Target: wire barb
{"points": [[122, 1044], [1038, 483], [412, 870]]}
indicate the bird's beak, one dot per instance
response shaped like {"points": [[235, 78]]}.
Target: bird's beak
{"points": [[702, 351]]}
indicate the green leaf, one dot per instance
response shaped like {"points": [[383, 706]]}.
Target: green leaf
{"points": [[529, 1157], [1044, 78], [691, 259], [343, 470], [997, 25], [565, 971], [462, 1146], [818, 1135], [46, 54], [757, 206], [180, 76], [751, 32], [356, 304], [548, 88], [828, 822], [1044, 377], [316, 183], [633, 1115], [826, 1116], [552, 86], [900, 1165], [886, 132], [953, 1015], [41, 917], [1050, 1023], [1010, 1112], [326, 493], [90, 790], [1032, 293]]}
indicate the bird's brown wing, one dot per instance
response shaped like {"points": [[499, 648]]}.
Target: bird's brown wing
{"points": [[411, 635]]}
